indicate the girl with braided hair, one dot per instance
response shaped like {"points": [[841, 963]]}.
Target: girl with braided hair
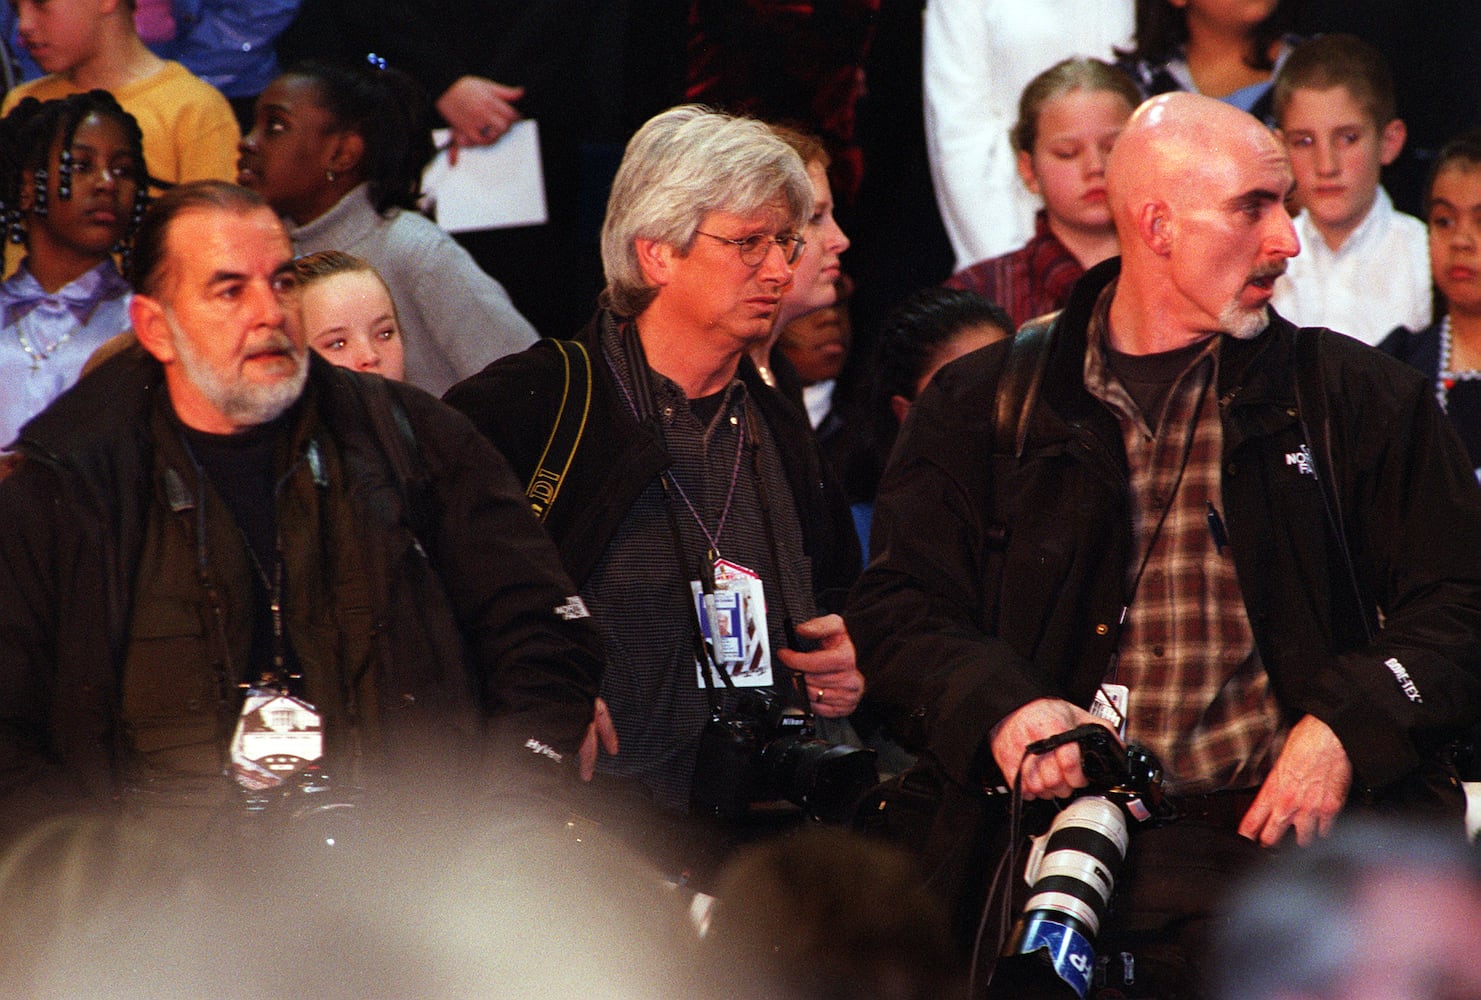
{"points": [[73, 187]]}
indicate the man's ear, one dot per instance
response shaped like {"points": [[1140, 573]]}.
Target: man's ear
{"points": [[1154, 227], [656, 260], [151, 327], [1391, 141]]}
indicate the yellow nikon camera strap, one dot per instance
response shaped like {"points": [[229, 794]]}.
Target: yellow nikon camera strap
{"points": [[570, 423]]}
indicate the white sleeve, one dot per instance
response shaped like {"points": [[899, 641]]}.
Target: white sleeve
{"points": [[968, 111], [1421, 310]]}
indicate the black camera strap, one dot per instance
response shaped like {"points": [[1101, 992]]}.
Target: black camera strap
{"points": [[763, 495]]}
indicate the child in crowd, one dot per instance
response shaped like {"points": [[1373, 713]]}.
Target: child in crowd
{"points": [[73, 186], [976, 58], [189, 130], [1068, 117], [816, 273], [348, 315], [339, 151], [1449, 351], [1364, 267], [929, 329], [1229, 49], [816, 345]]}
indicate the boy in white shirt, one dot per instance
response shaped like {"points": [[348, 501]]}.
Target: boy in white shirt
{"points": [[1364, 267]]}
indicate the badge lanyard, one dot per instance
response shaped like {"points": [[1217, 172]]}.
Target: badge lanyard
{"points": [[641, 406], [1111, 697], [277, 734], [671, 483]]}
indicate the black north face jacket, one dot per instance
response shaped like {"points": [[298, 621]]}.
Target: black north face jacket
{"points": [[998, 580]]}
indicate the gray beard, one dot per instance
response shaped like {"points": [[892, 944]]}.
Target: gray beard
{"points": [[1243, 324], [241, 403]]}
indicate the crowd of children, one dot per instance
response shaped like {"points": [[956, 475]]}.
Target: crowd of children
{"points": [[355, 145]]}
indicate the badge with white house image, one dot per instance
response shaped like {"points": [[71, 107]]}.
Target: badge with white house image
{"points": [[277, 736]]}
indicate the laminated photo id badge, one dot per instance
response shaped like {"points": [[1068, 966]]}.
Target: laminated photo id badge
{"points": [[733, 622], [1110, 704], [277, 736]]}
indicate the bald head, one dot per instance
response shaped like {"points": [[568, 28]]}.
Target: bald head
{"points": [[1177, 138], [1197, 191]]}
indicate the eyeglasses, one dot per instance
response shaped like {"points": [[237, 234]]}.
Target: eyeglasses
{"points": [[753, 249]]}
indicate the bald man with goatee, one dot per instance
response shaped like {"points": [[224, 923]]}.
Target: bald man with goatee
{"points": [[1190, 533]]}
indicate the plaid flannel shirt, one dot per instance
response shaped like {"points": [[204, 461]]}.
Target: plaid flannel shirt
{"points": [[1200, 698]]}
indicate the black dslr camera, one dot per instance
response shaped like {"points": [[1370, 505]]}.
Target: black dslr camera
{"points": [[307, 811], [1071, 870], [767, 751]]}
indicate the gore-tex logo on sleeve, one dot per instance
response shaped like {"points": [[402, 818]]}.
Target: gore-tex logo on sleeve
{"points": [[1406, 683]]}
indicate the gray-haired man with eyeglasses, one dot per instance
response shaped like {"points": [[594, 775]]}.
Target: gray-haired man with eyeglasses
{"points": [[694, 514]]}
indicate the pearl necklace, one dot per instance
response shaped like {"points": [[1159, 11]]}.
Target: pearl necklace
{"points": [[37, 357], [1446, 379]]}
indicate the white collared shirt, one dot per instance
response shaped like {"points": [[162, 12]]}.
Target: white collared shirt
{"points": [[1378, 279]]}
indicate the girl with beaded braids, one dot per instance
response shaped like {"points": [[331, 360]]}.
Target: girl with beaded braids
{"points": [[338, 151], [73, 187]]}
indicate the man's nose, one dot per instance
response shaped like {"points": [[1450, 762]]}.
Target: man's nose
{"points": [[268, 302], [1283, 241], [774, 266]]}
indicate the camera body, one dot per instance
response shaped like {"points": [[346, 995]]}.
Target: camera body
{"points": [[1072, 867], [767, 751], [309, 811]]}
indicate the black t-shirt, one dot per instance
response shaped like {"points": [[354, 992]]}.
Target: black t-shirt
{"points": [[241, 467], [1149, 377]]}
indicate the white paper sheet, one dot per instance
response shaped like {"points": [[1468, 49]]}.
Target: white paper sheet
{"points": [[491, 187]]}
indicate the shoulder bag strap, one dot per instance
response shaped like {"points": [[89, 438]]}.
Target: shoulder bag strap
{"points": [[1312, 413], [398, 442], [1018, 386]]}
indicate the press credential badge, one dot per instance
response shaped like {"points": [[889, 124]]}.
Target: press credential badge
{"points": [[732, 619]]}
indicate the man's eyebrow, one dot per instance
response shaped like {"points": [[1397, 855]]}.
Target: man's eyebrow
{"points": [[1259, 196], [222, 277]]}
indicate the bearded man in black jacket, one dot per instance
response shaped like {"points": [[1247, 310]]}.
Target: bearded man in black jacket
{"points": [[231, 570]]}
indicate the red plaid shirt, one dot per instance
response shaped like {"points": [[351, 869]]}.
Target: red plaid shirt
{"points": [[1200, 698], [1031, 281]]}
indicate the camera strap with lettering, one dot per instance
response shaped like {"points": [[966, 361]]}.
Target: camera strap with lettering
{"points": [[565, 435]]}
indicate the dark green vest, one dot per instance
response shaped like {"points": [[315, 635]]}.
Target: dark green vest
{"points": [[190, 627]]}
